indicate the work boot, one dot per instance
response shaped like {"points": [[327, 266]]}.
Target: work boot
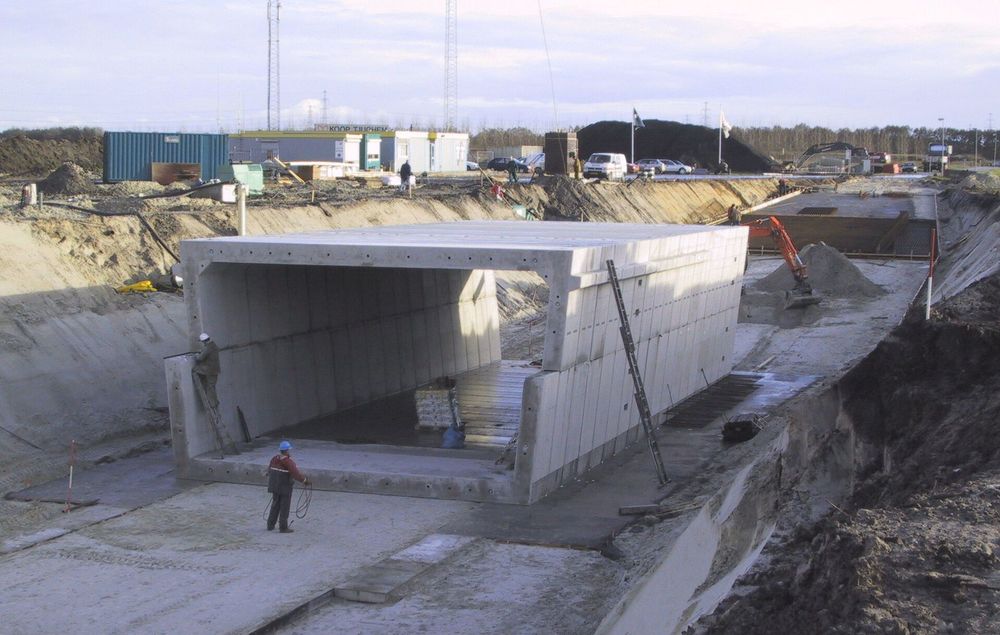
{"points": [[270, 527], [287, 530]]}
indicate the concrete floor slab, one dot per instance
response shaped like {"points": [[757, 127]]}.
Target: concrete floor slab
{"points": [[469, 474], [488, 588], [204, 557]]}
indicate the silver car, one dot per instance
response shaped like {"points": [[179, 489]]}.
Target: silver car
{"points": [[676, 167]]}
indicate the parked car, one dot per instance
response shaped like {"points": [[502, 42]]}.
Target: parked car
{"points": [[658, 166], [498, 163], [471, 166], [908, 166], [606, 165], [536, 163], [676, 167]]}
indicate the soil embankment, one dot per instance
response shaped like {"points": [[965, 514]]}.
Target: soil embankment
{"points": [[25, 156], [81, 362]]}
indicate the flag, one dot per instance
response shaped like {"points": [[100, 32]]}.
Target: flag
{"points": [[636, 120], [724, 125]]}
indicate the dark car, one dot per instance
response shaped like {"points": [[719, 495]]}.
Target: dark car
{"points": [[499, 163], [908, 166]]}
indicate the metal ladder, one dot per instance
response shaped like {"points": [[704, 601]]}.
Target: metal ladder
{"points": [[222, 437], [633, 369]]}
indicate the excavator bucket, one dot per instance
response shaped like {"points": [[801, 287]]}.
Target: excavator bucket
{"points": [[800, 298]]}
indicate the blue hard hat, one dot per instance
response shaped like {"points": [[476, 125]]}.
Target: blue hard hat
{"points": [[284, 445]]}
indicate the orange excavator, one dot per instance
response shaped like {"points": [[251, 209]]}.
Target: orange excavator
{"points": [[801, 295]]}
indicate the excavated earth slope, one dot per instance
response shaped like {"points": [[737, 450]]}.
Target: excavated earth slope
{"points": [[914, 549]]}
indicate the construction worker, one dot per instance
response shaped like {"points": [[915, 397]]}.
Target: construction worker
{"points": [[280, 472], [512, 171], [405, 172], [577, 168], [734, 215], [206, 368]]}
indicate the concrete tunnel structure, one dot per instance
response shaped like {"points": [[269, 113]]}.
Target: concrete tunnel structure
{"points": [[325, 337]]}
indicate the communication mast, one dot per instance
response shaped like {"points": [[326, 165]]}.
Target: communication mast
{"points": [[273, 66], [450, 64]]}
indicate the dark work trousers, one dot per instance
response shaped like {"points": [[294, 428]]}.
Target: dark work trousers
{"points": [[281, 504]]}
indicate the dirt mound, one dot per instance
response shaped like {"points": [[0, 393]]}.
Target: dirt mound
{"points": [[69, 179], [21, 156], [671, 140], [830, 272], [983, 182]]}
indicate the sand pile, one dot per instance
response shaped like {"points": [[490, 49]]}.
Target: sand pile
{"points": [[68, 178], [830, 273]]}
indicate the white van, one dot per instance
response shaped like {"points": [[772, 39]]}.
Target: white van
{"points": [[606, 165]]}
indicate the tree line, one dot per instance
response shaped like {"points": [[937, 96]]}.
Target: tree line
{"points": [[788, 143]]}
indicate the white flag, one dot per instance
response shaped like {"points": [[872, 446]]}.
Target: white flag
{"points": [[724, 125], [637, 120]]}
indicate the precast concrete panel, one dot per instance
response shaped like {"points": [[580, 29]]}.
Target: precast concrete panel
{"points": [[311, 323]]}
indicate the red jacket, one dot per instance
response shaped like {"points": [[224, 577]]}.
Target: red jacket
{"points": [[281, 470]]}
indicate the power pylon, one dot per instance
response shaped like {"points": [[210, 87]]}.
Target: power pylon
{"points": [[273, 66], [450, 64]]}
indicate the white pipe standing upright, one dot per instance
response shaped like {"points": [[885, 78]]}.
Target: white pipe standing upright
{"points": [[241, 206]]}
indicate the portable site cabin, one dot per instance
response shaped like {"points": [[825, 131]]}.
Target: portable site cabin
{"points": [[301, 147], [371, 151], [449, 151], [401, 145]]}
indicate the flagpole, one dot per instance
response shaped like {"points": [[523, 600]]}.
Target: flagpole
{"points": [[632, 154], [720, 137]]}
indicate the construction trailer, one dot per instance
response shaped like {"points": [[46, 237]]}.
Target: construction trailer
{"points": [[371, 151], [449, 151], [326, 338], [260, 146], [136, 156], [400, 146]]}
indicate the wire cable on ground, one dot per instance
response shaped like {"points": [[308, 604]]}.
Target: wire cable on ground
{"points": [[301, 506], [142, 220]]}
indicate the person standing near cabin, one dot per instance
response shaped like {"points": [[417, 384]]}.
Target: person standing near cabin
{"points": [[405, 172], [280, 474], [577, 168]]}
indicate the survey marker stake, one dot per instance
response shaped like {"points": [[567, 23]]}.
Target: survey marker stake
{"points": [[633, 368], [69, 488]]}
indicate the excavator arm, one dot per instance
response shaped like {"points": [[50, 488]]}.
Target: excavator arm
{"points": [[801, 295]]}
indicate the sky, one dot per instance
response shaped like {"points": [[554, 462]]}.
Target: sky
{"points": [[202, 65]]}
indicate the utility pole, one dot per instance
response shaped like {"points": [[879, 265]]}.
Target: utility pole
{"points": [[994, 164], [704, 119], [975, 161], [450, 64], [273, 66], [325, 111]]}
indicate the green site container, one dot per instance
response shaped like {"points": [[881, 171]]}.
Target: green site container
{"points": [[249, 174]]}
